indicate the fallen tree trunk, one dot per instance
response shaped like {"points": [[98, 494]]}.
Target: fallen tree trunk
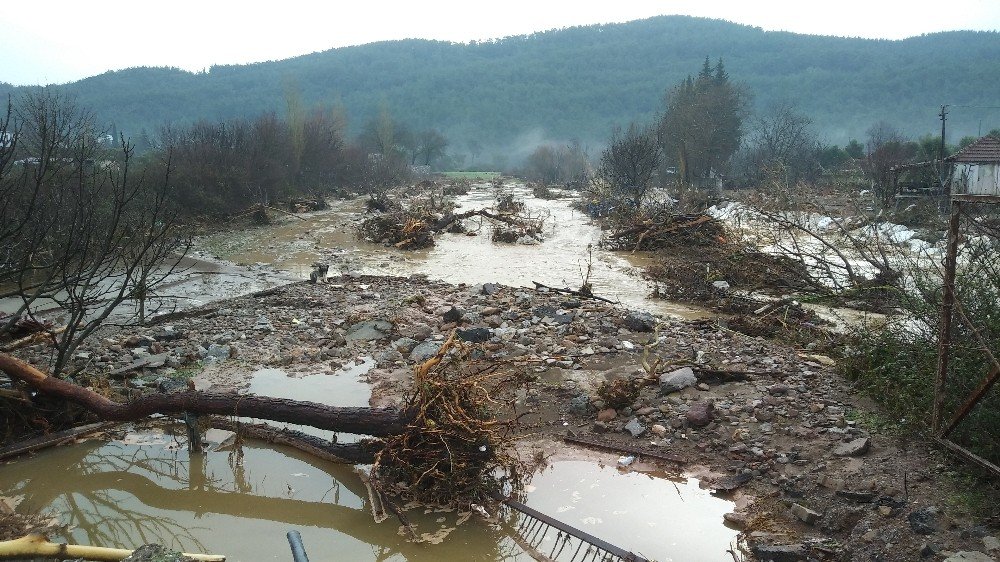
{"points": [[363, 421], [362, 452], [38, 546]]}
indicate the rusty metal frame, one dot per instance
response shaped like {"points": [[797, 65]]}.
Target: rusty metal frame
{"points": [[949, 305]]}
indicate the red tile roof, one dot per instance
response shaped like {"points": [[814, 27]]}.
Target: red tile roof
{"points": [[984, 151]]}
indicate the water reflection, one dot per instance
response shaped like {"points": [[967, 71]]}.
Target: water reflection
{"points": [[124, 494], [115, 494]]}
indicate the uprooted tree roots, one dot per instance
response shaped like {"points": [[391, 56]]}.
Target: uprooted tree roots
{"points": [[458, 448]]}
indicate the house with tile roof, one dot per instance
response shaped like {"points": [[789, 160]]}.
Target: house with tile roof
{"points": [[976, 168]]}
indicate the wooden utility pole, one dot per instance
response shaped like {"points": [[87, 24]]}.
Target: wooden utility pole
{"points": [[944, 117]]}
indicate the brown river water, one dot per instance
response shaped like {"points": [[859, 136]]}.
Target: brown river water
{"points": [[147, 488]]}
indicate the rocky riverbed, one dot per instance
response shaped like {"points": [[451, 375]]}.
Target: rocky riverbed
{"points": [[774, 427]]}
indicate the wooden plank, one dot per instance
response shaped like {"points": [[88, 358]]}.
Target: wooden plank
{"points": [[51, 440]]}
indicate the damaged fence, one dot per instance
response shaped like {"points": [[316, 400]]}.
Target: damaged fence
{"points": [[966, 413]]}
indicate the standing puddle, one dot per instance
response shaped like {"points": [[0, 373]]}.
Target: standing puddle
{"points": [[125, 494], [649, 514], [344, 387]]}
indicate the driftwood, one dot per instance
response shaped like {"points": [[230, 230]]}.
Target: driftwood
{"points": [[581, 294], [38, 546], [446, 220], [37, 337], [364, 421], [50, 440], [362, 452]]}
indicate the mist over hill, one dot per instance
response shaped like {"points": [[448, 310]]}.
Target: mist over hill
{"points": [[577, 83]]}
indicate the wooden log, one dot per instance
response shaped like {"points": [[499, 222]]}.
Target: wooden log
{"points": [[362, 452], [362, 421], [37, 545]]}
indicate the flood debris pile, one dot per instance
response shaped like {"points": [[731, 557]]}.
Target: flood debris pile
{"points": [[406, 229], [413, 226], [543, 192], [663, 229], [458, 449]]}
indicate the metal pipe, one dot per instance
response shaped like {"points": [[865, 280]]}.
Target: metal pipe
{"points": [[298, 549]]}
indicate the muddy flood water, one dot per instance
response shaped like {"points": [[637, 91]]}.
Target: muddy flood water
{"points": [[149, 489], [141, 485], [560, 260]]}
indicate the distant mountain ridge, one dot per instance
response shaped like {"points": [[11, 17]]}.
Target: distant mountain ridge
{"points": [[577, 83]]}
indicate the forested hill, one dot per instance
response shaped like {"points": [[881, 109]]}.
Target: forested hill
{"points": [[579, 82]]}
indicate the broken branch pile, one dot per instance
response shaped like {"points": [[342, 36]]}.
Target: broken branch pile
{"points": [[414, 228], [663, 229], [457, 449]]}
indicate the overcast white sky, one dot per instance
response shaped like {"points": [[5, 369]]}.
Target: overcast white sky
{"points": [[70, 39]]}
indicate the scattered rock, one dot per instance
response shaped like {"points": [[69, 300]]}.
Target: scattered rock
{"points": [[805, 514], [677, 380], [779, 553], [969, 556], [580, 405], [929, 549], [700, 413], [369, 330], [854, 448], [729, 484], [453, 314], [736, 520], [658, 430], [720, 285], [156, 553], [474, 335], [425, 350], [263, 324], [640, 322], [924, 520], [404, 345], [991, 543], [490, 288], [635, 428], [607, 415]]}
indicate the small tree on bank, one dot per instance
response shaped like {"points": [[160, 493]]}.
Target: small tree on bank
{"points": [[629, 162]]}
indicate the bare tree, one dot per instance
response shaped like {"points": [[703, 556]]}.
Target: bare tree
{"points": [[628, 163], [886, 148], [782, 147], [85, 231]]}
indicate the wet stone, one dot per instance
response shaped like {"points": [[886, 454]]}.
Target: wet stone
{"points": [[580, 405], [854, 448], [404, 345], [780, 553], [453, 314], [700, 413], [425, 350], [369, 330], [640, 322], [969, 556], [635, 428], [805, 514], [924, 520], [677, 380], [474, 335]]}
